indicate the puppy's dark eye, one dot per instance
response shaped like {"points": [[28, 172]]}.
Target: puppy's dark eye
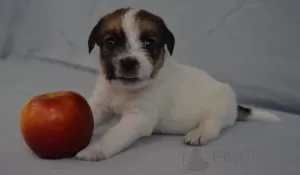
{"points": [[109, 43], [148, 43]]}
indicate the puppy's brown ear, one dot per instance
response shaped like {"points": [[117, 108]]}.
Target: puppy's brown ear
{"points": [[94, 35], [169, 40]]}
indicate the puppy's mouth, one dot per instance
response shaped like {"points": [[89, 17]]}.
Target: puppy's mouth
{"points": [[130, 79]]}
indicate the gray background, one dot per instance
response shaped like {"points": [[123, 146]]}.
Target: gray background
{"points": [[252, 44]]}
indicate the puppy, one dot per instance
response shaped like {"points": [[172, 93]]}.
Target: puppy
{"points": [[141, 90]]}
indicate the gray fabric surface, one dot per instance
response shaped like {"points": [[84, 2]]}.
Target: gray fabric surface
{"points": [[251, 44], [248, 148]]}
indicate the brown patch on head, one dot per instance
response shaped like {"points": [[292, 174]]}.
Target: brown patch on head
{"points": [[108, 25], [108, 30], [154, 31]]}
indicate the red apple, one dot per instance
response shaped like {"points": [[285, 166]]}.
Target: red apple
{"points": [[57, 124]]}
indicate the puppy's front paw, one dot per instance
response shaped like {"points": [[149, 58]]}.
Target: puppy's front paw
{"points": [[198, 138], [201, 136], [194, 138], [89, 154]]}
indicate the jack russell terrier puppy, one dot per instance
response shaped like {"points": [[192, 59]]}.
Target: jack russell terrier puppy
{"points": [[141, 90]]}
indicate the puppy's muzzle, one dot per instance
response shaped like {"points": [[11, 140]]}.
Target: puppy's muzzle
{"points": [[129, 66]]}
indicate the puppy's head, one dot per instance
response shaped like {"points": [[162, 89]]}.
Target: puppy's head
{"points": [[132, 46]]}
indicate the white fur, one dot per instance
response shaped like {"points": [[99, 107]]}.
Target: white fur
{"points": [[180, 100], [261, 115], [132, 33], [131, 29]]}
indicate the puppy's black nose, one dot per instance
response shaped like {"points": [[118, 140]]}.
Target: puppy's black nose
{"points": [[129, 64]]}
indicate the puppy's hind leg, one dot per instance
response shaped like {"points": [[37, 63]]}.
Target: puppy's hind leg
{"points": [[219, 114]]}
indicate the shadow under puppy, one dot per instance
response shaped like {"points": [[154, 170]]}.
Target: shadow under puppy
{"points": [[148, 92]]}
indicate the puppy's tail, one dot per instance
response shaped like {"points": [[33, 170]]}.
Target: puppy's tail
{"points": [[246, 114]]}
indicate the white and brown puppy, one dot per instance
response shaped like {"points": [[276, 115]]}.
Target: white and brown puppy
{"points": [[148, 92]]}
